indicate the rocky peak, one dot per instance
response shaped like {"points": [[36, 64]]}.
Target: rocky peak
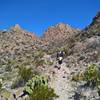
{"points": [[96, 19], [59, 33], [20, 32], [59, 28], [63, 26], [92, 30], [16, 27]]}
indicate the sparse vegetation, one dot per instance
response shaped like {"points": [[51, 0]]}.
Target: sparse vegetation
{"points": [[78, 77], [0, 86], [91, 76], [39, 62], [49, 63], [43, 93], [38, 54], [65, 49], [25, 73]]}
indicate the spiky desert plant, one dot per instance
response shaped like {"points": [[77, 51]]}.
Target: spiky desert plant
{"points": [[25, 73]]}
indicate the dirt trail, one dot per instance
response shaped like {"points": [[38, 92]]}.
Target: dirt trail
{"points": [[61, 83]]}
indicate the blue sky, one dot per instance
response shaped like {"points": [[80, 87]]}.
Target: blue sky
{"points": [[38, 15]]}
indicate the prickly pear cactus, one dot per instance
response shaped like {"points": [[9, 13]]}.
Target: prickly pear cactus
{"points": [[35, 83]]}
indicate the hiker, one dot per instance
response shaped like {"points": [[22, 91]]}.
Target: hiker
{"points": [[60, 56]]}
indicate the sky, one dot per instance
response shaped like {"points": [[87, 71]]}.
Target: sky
{"points": [[37, 15]]}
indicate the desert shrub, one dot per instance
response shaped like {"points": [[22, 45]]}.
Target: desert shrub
{"points": [[5, 94], [8, 68], [0, 85], [17, 83], [91, 73], [88, 75], [38, 54], [39, 62], [49, 62], [10, 63], [38, 89], [78, 77], [98, 20], [25, 73], [50, 52], [95, 30], [91, 76], [66, 50], [43, 93]]}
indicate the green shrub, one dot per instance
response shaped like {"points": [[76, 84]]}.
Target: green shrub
{"points": [[43, 93], [38, 54], [94, 31], [38, 61], [38, 89], [0, 85], [8, 68], [91, 73], [91, 76], [49, 63], [78, 77], [25, 73], [52, 51]]}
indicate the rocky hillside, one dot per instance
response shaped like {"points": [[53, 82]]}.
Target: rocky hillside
{"points": [[16, 43], [23, 54]]}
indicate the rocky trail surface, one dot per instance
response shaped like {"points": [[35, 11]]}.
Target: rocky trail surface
{"points": [[60, 82]]}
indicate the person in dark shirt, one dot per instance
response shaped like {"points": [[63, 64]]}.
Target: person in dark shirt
{"points": [[60, 56]]}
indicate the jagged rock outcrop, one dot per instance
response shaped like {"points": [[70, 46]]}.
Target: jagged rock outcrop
{"points": [[91, 30], [59, 34]]}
